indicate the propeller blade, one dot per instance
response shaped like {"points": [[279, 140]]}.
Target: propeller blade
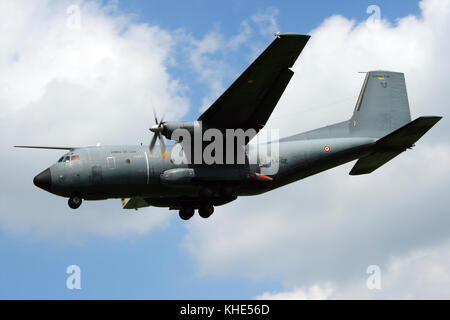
{"points": [[157, 129], [153, 142], [163, 116], [163, 147], [156, 118]]}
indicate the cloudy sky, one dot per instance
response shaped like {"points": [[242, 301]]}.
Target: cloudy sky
{"points": [[88, 72]]}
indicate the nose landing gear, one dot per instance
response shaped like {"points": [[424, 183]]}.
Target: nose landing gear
{"points": [[75, 202]]}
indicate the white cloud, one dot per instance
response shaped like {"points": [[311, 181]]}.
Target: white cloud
{"points": [[326, 84], [327, 228], [98, 83], [203, 61], [66, 86], [313, 293], [329, 225], [208, 56], [266, 21], [421, 274]]}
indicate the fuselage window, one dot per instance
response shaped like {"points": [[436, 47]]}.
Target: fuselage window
{"points": [[61, 159], [66, 159]]}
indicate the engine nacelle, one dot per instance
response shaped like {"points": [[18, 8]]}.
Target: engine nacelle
{"points": [[170, 126]]}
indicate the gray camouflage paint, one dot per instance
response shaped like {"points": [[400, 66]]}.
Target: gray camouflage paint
{"points": [[133, 172]]}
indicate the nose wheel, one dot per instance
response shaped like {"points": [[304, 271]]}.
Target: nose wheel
{"points": [[75, 202]]}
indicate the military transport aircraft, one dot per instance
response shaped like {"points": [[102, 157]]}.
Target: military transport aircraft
{"points": [[379, 130]]}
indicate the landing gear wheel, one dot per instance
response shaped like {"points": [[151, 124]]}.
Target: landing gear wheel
{"points": [[186, 213], [75, 202], [206, 210]]}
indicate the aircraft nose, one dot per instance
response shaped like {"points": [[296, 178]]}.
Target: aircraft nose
{"points": [[43, 180]]}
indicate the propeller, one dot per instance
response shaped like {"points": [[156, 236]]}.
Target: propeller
{"points": [[157, 129]]}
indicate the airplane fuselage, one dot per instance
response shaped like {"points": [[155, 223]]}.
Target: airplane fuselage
{"points": [[103, 172]]}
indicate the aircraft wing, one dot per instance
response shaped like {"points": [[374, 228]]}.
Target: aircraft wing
{"points": [[50, 148], [250, 100]]}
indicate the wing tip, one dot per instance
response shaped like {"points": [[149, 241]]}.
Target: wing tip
{"points": [[432, 120]]}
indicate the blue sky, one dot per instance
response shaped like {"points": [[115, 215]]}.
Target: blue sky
{"points": [[157, 264], [200, 17]]}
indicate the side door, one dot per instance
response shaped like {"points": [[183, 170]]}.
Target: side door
{"points": [[115, 171], [96, 167]]}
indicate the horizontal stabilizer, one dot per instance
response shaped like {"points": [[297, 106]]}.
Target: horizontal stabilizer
{"points": [[393, 144], [136, 203]]}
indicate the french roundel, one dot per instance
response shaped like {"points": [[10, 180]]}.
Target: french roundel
{"points": [[327, 148]]}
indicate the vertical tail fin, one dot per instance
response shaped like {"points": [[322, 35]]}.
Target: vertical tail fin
{"points": [[382, 106]]}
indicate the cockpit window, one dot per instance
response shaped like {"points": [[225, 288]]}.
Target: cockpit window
{"points": [[69, 157]]}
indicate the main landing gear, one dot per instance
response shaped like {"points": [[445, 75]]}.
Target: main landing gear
{"points": [[75, 202], [186, 213], [205, 211]]}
